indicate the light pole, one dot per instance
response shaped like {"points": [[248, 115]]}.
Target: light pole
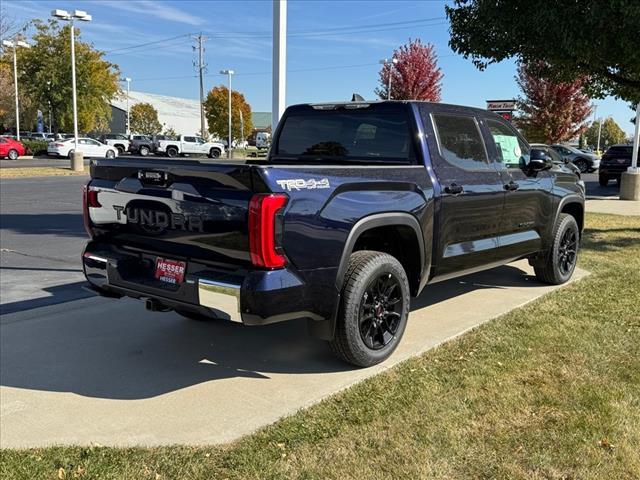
{"points": [[70, 17], [391, 62], [14, 44], [599, 132], [229, 73], [128, 80], [49, 102]]}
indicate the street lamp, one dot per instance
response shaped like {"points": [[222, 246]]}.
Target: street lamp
{"points": [[70, 17], [229, 73], [15, 44], [128, 80], [391, 62]]}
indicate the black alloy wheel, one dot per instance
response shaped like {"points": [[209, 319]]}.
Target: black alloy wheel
{"points": [[380, 311], [567, 251], [582, 165]]}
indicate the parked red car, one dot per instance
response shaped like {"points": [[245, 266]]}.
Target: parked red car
{"points": [[10, 148]]}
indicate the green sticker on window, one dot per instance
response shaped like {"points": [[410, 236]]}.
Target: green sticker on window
{"points": [[508, 149]]}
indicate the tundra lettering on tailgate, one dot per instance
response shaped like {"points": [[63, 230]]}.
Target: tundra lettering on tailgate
{"points": [[159, 219]]}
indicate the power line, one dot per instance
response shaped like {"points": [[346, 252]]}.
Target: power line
{"points": [[146, 44]]}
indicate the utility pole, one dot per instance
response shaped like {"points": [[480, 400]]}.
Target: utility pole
{"points": [[201, 67], [229, 140], [241, 128]]}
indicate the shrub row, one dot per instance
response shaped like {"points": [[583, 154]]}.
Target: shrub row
{"points": [[35, 147]]}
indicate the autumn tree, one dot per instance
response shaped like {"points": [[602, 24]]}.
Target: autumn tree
{"points": [[45, 77], [216, 108], [144, 119], [415, 76], [549, 111], [566, 40], [610, 134]]}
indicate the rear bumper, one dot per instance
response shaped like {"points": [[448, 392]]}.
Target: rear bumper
{"points": [[612, 171], [251, 297]]}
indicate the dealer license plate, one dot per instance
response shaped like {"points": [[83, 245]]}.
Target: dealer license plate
{"points": [[170, 271]]}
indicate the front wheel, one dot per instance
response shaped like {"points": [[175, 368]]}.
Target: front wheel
{"points": [[561, 258], [13, 154], [373, 311], [120, 149], [144, 151], [110, 154], [582, 165], [214, 153], [172, 152]]}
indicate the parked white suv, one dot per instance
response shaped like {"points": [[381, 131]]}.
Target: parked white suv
{"points": [[186, 145]]}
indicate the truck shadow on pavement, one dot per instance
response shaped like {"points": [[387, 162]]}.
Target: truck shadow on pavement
{"points": [[58, 224], [114, 349]]}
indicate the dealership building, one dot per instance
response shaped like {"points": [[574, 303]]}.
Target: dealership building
{"points": [[180, 114]]}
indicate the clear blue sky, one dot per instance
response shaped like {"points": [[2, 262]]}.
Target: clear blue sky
{"points": [[323, 64]]}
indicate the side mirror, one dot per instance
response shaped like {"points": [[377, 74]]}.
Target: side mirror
{"points": [[539, 160]]}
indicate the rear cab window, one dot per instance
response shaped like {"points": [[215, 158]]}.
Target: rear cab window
{"points": [[360, 133], [460, 141]]}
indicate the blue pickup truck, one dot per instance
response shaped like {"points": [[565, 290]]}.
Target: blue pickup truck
{"points": [[357, 207]]}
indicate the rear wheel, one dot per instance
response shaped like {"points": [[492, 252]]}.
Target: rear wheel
{"points": [[110, 154], [562, 257], [172, 152], [582, 165], [144, 150], [603, 181], [120, 149], [13, 154], [71, 152], [373, 311]]}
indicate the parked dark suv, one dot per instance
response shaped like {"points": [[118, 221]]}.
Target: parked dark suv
{"points": [[614, 161]]}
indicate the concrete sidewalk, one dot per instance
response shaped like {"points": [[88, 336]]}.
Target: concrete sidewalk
{"points": [[612, 205], [108, 372]]}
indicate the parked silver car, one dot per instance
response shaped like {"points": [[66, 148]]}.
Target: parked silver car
{"points": [[586, 162]]}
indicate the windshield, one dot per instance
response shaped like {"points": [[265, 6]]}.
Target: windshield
{"points": [[363, 134]]}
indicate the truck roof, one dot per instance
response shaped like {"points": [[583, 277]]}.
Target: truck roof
{"points": [[379, 102]]}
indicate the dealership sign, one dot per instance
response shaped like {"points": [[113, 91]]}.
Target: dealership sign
{"points": [[504, 108]]}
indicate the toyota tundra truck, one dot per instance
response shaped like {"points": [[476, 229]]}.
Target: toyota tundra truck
{"points": [[357, 208]]}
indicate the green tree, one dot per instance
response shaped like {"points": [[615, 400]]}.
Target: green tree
{"points": [[144, 119], [45, 76], [216, 108], [610, 135], [567, 40]]}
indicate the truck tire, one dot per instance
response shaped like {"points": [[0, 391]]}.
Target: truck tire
{"points": [[373, 311], [214, 153], [144, 150], [172, 152], [562, 257]]}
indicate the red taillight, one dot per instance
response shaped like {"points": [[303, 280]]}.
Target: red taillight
{"points": [[58, 144], [263, 210], [89, 199]]}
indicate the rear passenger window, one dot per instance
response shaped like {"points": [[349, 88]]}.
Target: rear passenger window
{"points": [[460, 141], [512, 151], [190, 139]]}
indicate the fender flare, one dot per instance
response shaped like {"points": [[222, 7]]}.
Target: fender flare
{"points": [[573, 198], [373, 221]]}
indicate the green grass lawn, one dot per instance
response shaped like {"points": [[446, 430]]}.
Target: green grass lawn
{"points": [[548, 391]]}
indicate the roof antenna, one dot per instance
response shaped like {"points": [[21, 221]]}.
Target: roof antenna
{"points": [[357, 98]]}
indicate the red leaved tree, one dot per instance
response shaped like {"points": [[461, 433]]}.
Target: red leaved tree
{"points": [[415, 76], [550, 112]]}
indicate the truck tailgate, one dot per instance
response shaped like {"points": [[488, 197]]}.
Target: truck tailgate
{"points": [[184, 209]]}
